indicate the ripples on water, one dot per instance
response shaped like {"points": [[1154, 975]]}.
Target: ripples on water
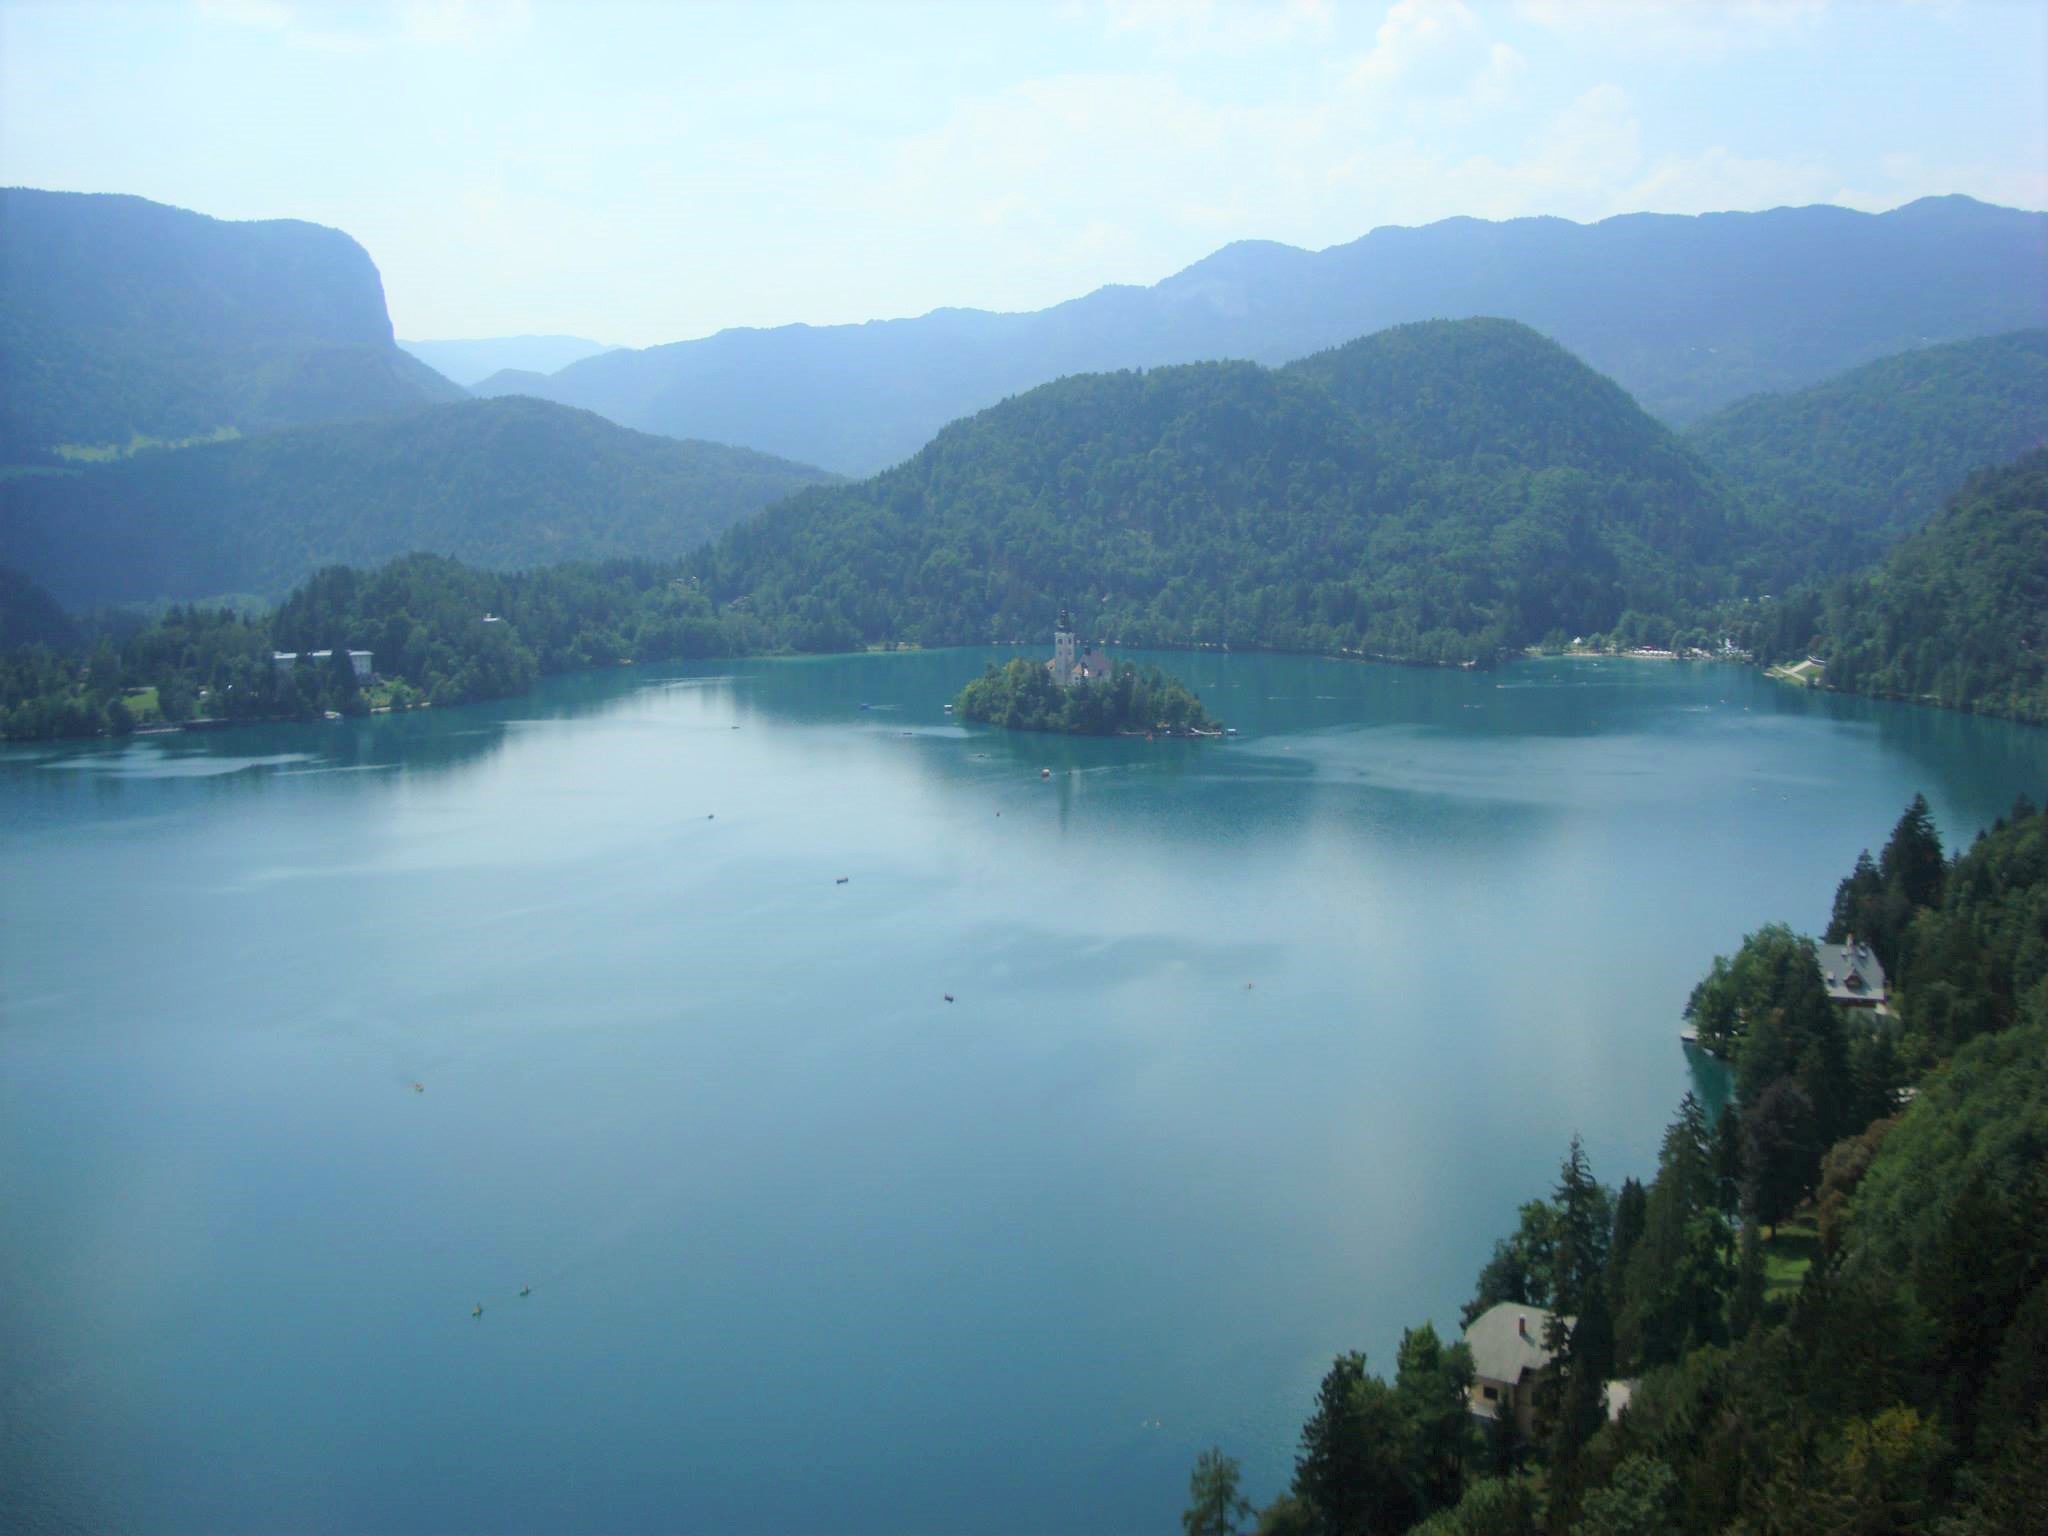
{"points": [[1253, 1048]]}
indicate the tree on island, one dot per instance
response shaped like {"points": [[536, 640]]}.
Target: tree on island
{"points": [[1022, 696]]}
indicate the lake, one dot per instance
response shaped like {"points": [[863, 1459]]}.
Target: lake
{"points": [[1253, 1047]]}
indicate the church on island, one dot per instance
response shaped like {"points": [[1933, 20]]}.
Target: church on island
{"points": [[1070, 665]]}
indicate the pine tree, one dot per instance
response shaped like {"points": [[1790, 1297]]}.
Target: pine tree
{"points": [[1583, 1223], [1630, 1208], [1331, 1467], [1782, 1148], [1912, 862], [1855, 900], [1580, 1330], [1214, 1504], [1431, 1384], [1746, 1306], [1728, 1160]]}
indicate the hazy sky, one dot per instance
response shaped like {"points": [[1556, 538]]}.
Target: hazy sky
{"points": [[645, 173]]}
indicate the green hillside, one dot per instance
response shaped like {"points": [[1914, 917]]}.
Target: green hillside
{"points": [[30, 616], [123, 319], [1958, 613], [1828, 1301], [1434, 492], [1854, 463], [498, 483]]}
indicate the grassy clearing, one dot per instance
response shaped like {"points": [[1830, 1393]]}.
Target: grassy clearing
{"points": [[1788, 1254], [102, 453], [142, 704], [1808, 674]]}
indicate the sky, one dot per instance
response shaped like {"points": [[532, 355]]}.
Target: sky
{"points": [[647, 173]]}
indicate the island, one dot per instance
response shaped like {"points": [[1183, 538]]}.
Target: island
{"points": [[1084, 693]]}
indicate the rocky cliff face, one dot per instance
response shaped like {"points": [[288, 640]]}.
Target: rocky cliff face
{"points": [[121, 318]]}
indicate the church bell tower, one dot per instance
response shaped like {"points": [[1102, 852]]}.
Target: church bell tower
{"points": [[1063, 651]]}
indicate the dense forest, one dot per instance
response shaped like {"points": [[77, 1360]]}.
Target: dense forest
{"points": [[1443, 492], [438, 633], [1688, 314], [1831, 1301], [30, 616], [123, 319], [1516, 495], [1022, 696], [1958, 613], [498, 483], [1851, 465]]}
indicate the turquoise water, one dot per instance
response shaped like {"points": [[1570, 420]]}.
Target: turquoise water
{"points": [[1254, 1047]]}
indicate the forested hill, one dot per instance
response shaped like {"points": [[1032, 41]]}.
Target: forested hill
{"points": [[1687, 313], [122, 318], [1958, 613], [1858, 461], [1461, 391], [30, 616], [1434, 492], [498, 483]]}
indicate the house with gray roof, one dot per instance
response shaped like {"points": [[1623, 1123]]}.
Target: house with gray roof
{"points": [[1509, 1364], [1854, 976], [1508, 1361]]}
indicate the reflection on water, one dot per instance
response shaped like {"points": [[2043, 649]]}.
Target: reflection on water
{"points": [[1450, 720], [1073, 1132]]}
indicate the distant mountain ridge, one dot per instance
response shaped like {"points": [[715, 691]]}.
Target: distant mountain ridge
{"points": [[1686, 313], [469, 361], [122, 318], [503, 484]]}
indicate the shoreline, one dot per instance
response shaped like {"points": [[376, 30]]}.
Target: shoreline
{"points": [[1509, 658]]}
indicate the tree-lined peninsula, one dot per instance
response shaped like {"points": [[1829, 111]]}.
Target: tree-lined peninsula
{"points": [[1825, 1310]]}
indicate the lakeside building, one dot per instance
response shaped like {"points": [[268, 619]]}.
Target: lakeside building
{"points": [[1510, 1365], [358, 661], [1509, 1362], [1070, 664], [1854, 976]]}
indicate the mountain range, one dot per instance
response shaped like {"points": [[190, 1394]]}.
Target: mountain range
{"points": [[1688, 314], [125, 319], [467, 362], [1440, 490]]}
